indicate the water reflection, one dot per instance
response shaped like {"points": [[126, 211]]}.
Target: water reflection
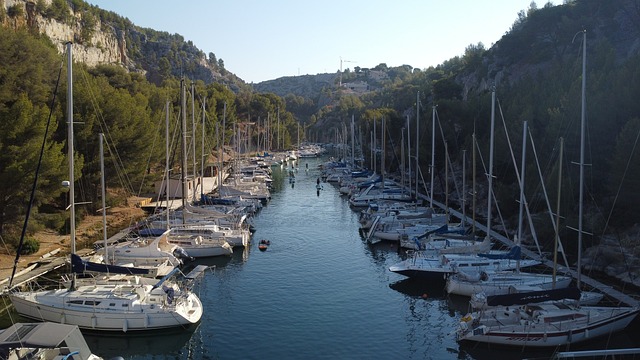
{"points": [[169, 343]]}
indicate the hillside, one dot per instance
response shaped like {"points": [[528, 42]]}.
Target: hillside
{"points": [[104, 37], [308, 86]]}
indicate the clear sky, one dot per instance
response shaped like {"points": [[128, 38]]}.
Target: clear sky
{"points": [[262, 40]]}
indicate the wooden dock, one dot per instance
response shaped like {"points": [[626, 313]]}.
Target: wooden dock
{"points": [[36, 269], [605, 289]]}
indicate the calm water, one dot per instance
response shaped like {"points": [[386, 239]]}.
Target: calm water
{"points": [[318, 292]]}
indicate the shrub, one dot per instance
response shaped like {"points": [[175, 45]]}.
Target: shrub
{"points": [[15, 11], [30, 246]]}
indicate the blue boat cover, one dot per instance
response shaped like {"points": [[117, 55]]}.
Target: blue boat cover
{"points": [[80, 266], [533, 297]]}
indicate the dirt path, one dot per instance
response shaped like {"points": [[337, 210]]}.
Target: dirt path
{"points": [[88, 231]]}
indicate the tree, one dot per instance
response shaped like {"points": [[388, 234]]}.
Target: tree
{"points": [[212, 59], [164, 67], [59, 10], [21, 137]]}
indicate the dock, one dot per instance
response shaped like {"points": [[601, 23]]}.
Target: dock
{"points": [[36, 269], [605, 289]]}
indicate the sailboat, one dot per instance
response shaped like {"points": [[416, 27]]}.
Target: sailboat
{"points": [[548, 324], [491, 283], [438, 266], [128, 306]]}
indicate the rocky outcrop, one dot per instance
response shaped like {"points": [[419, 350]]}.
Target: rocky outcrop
{"points": [[616, 258], [103, 47], [102, 37]]}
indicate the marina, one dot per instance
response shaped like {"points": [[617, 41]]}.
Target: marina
{"points": [[281, 219], [320, 291]]}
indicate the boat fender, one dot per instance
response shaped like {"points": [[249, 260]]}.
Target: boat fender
{"points": [[464, 326]]}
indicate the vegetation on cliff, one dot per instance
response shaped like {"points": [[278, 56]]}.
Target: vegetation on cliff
{"points": [[535, 69]]}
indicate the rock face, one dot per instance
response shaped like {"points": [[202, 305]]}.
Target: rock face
{"points": [[103, 47], [102, 37], [616, 258]]}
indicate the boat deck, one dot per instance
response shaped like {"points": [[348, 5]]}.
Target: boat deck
{"points": [[605, 289]]}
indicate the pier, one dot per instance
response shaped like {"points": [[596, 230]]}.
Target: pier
{"points": [[595, 284]]}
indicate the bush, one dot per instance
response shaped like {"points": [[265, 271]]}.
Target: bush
{"points": [[55, 221], [41, 6], [15, 11], [30, 246], [58, 10]]}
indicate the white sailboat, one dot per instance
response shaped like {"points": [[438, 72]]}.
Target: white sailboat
{"points": [[439, 266], [548, 324], [491, 283], [121, 307], [502, 282]]}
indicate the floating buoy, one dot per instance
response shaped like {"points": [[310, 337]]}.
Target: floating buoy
{"points": [[263, 244]]}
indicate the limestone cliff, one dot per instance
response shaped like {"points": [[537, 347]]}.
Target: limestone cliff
{"points": [[104, 46], [103, 37]]}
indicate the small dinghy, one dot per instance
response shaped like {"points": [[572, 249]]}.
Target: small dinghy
{"points": [[264, 244]]}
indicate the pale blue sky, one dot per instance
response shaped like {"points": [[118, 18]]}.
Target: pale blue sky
{"points": [[265, 39]]}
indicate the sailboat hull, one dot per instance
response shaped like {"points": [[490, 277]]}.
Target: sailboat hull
{"points": [[105, 308], [501, 283], [512, 327]]}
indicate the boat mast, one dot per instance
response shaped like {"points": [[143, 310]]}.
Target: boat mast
{"points": [[417, 139], [402, 161], [582, 134], [473, 185], [375, 145], [183, 171], [409, 155], [104, 202], [464, 187], [219, 154], [382, 162], [490, 175], [72, 197], [433, 151], [202, 158], [221, 147], [522, 170], [353, 143], [168, 178], [371, 163], [193, 137], [557, 234], [446, 181]]}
